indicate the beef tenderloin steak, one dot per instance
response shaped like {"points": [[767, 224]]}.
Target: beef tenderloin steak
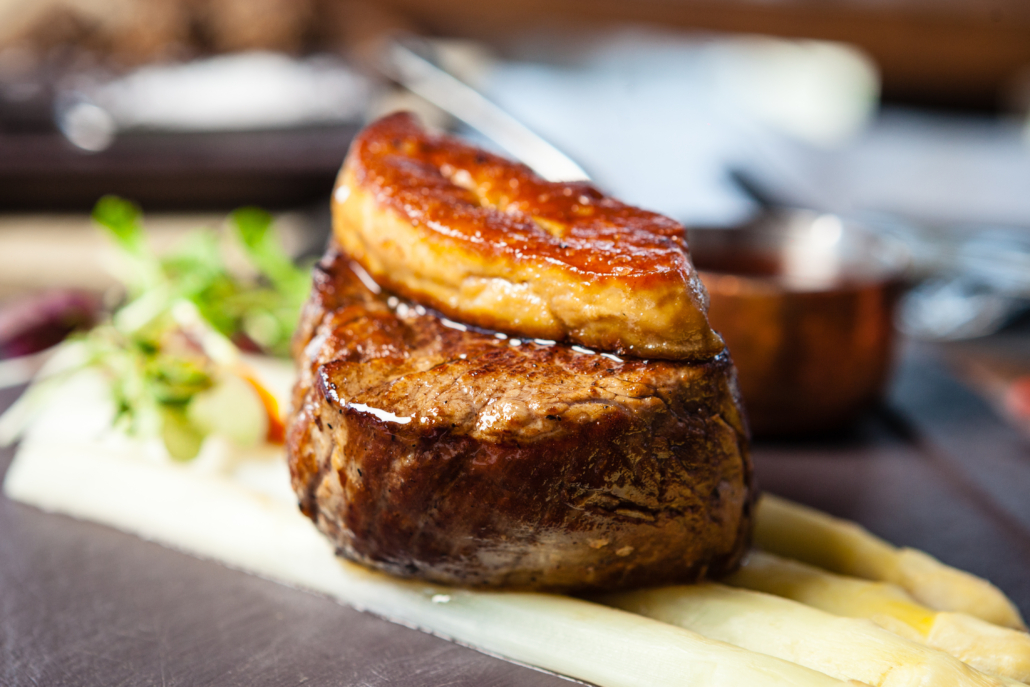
{"points": [[427, 449]]}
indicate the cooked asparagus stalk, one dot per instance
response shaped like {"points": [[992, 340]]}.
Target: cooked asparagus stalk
{"points": [[245, 516], [844, 547], [845, 648], [981, 644], [984, 646]]}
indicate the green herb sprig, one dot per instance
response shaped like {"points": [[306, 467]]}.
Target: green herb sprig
{"points": [[171, 352], [261, 311]]}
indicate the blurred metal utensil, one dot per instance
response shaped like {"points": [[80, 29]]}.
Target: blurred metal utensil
{"points": [[975, 281], [971, 281], [406, 62]]}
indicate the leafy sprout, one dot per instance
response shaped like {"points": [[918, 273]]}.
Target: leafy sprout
{"points": [[255, 312], [122, 219], [173, 346]]}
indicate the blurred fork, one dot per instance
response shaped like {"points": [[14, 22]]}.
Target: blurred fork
{"points": [[408, 61]]}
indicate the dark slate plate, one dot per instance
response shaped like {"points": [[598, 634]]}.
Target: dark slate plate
{"points": [[81, 604]]}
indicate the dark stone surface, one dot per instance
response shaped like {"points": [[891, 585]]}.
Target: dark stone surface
{"points": [[81, 604]]}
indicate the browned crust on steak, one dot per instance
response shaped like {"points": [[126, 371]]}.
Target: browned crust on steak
{"points": [[461, 458]]}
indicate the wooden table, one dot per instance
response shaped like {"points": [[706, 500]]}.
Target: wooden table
{"points": [[81, 604]]}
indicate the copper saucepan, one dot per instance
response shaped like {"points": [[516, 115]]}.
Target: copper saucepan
{"points": [[805, 302]]}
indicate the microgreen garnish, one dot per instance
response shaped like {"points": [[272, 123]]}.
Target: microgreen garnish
{"points": [[171, 352]]}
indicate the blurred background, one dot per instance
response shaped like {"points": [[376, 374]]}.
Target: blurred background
{"points": [[908, 119]]}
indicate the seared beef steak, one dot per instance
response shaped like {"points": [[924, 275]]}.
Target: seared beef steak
{"points": [[429, 450]]}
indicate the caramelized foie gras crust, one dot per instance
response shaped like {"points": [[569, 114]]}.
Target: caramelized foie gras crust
{"points": [[456, 456], [485, 241]]}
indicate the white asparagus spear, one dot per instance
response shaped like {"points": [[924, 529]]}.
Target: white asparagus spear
{"points": [[998, 650], [844, 547], [845, 648], [986, 647], [65, 467]]}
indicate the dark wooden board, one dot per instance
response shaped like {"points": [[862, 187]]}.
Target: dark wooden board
{"points": [[81, 604]]}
